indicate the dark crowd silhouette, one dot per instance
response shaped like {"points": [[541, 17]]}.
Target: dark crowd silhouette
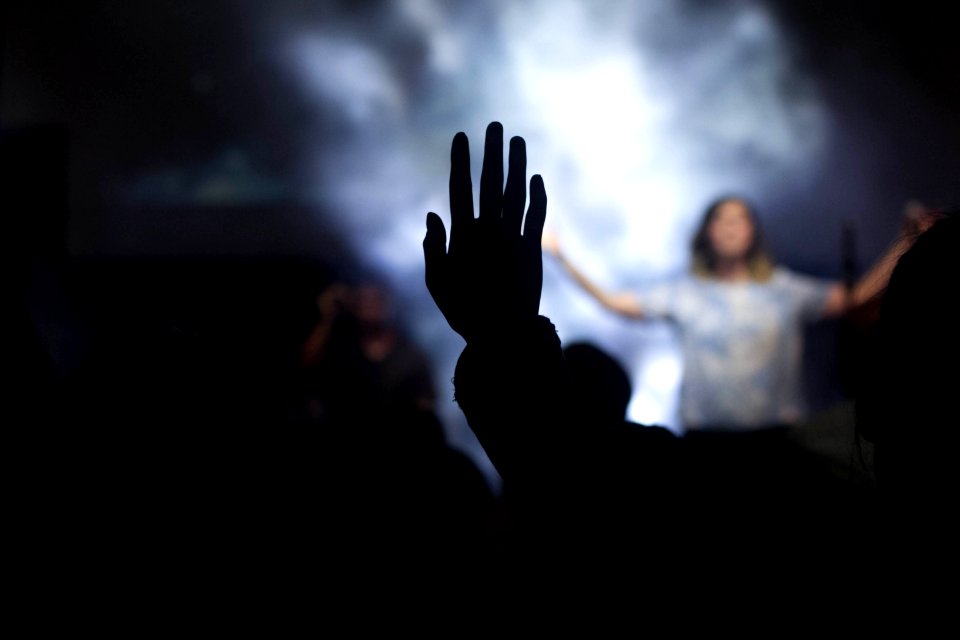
{"points": [[264, 439]]}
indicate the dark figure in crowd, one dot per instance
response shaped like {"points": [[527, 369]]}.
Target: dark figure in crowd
{"points": [[907, 406], [600, 392], [393, 477], [359, 364], [601, 384]]}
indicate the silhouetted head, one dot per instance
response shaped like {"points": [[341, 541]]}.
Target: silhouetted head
{"points": [[730, 230], [601, 384]]}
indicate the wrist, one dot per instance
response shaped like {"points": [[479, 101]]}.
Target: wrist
{"points": [[495, 356], [518, 332]]}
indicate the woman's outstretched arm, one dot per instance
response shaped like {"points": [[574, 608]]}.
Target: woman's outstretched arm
{"points": [[873, 283], [622, 303]]}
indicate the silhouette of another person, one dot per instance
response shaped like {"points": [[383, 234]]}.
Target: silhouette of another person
{"points": [[907, 404], [643, 459], [601, 384], [359, 364], [600, 390], [395, 482]]}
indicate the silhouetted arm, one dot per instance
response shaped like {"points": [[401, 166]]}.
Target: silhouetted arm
{"points": [[510, 379], [623, 303]]}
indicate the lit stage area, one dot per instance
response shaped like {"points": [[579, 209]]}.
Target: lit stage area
{"points": [[217, 164]]}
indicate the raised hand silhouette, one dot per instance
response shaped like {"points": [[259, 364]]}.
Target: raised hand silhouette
{"points": [[488, 281], [487, 285]]}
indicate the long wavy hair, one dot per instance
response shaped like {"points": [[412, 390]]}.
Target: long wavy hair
{"points": [[705, 259]]}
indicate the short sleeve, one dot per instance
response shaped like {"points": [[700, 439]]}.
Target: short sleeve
{"points": [[807, 294], [659, 299]]}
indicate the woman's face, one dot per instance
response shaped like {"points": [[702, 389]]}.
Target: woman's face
{"points": [[731, 230]]}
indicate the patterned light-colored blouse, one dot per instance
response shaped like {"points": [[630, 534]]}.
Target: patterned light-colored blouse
{"points": [[742, 345]]}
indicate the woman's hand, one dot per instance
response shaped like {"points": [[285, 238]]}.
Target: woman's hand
{"points": [[917, 218]]}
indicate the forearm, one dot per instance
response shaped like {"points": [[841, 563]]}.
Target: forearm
{"points": [[513, 390], [875, 281], [614, 303], [585, 283]]}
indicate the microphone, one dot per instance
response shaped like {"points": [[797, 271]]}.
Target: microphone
{"points": [[848, 255]]}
